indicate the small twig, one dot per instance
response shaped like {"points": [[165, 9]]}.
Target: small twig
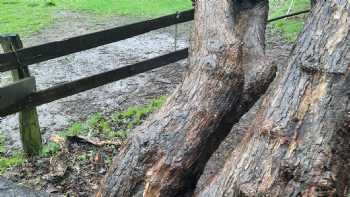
{"points": [[288, 15], [290, 6]]}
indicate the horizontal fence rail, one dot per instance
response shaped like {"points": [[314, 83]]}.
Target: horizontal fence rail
{"points": [[40, 53], [87, 83], [8, 62]]}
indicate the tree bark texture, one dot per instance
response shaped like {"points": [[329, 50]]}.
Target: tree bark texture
{"points": [[227, 72], [313, 3], [297, 142]]}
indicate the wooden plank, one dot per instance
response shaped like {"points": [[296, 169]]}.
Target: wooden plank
{"points": [[87, 83], [15, 92], [7, 62], [28, 118], [56, 49], [7, 58]]}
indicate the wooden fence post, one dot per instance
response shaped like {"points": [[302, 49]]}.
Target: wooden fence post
{"points": [[28, 118]]}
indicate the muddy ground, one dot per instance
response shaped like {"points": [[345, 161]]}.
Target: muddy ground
{"points": [[136, 90]]}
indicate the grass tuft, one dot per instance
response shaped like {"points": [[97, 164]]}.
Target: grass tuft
{"points": [[50, 149], [28, 16], [119, 125], [8, 161], [289, 27]]}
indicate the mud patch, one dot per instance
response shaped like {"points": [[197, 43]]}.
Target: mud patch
{"points": [[57, 115]]}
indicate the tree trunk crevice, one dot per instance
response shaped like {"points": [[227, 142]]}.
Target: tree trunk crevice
{"points": [[166, 155], [298, 139]]}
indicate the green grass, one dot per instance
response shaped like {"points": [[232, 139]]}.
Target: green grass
{"points": [[8, 161], [133, 116], [28, 16], [290, 27], [128, 7], [49, 149], [23, 16], [119, 125], [97, 124]]}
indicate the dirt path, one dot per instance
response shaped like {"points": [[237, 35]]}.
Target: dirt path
{"points": [[136, 90], [57, 115]]}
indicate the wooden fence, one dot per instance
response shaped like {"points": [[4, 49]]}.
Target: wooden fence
{"points": [[26, 98]]}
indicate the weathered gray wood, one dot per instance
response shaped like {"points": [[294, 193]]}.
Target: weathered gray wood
{"points": [[87, 83], [28, 118], [6, 60], [56, 49], [297, 142], [11, 43], [16, 91]]}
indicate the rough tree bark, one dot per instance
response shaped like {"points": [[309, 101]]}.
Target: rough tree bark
{"points": [[297, 141], [227, 73], [313, 3]]}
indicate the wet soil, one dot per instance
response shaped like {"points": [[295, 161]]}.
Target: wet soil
{"points": [[136, 90]]}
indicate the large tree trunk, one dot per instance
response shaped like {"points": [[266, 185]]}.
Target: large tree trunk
{"points": [[297, 139], [227, 73]]}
